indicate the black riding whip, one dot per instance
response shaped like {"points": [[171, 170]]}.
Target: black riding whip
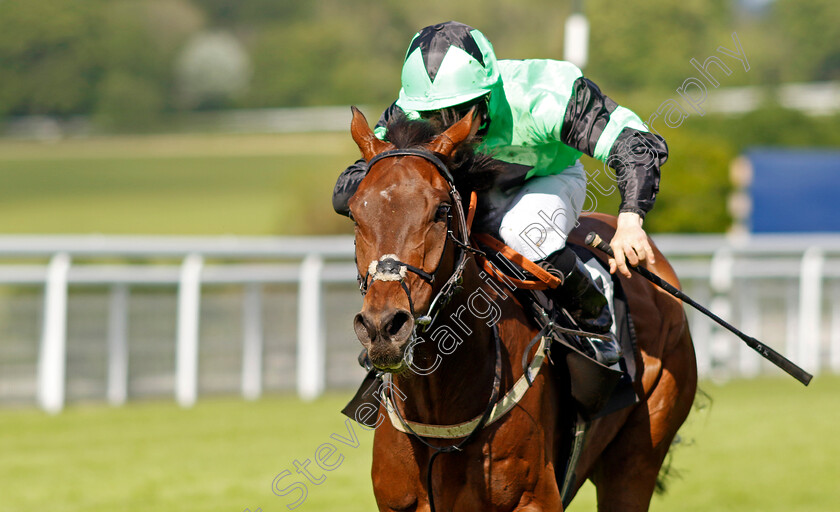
{"points": [[593, 240]]}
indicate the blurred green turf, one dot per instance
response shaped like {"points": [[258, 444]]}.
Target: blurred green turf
{"points": [[245, 185], [763, 445], [222, 455]]}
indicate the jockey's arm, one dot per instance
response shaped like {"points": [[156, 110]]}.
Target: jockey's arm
{"points": [[349, 179], [597, 126], [346, 185]]}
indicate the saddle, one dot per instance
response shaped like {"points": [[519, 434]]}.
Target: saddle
{"points": [[596, 390]]}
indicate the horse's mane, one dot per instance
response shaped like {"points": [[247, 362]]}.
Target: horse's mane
{"points": [[471, 170]]}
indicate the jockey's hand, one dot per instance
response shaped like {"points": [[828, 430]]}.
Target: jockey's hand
{"points": [[630, 244]]}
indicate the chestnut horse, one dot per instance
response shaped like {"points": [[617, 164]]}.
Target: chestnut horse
{"points": [[402, 231]]}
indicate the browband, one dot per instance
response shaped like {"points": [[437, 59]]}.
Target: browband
{"points": [[422, 153]]}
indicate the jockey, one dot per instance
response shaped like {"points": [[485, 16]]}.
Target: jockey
{"points": [[538, 116]]}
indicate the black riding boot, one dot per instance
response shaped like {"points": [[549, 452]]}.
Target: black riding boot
{"points": [[585, 301]]}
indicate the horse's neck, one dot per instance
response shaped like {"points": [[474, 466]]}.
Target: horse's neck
{"points": [[460, 385]]}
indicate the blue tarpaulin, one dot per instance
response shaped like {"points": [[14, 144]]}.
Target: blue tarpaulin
{"points": [[795, 190]]}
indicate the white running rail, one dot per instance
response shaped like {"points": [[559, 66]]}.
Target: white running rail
{"points": [[732, 275]]}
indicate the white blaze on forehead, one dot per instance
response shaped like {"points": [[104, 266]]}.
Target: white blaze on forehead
{"points": [[386, 192]]}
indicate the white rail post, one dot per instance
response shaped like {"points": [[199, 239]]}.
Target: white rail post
{"points": [[749, 362], [792, 322], [311, 350], [118, 345], [834, 356], [52, 359], [252, 342], [810, 310], [701, 328], [189, 304], [720, 280]]}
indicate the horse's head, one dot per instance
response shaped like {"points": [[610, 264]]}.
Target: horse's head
{"points": [[402, 215]]}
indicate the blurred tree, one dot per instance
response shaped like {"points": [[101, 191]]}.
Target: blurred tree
{"points": [[225, 13], [212, 70], [352, 52], [770, 125], [693, 190], [50, 58], [311, 63], [527, 29], [811, 31], [695, 185], [649, 44], [64, 57], [129, 100], [141, 39]]}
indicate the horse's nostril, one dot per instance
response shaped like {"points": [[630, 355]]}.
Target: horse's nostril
{"points": [[398, 322], [395, 328], [364, 331]]}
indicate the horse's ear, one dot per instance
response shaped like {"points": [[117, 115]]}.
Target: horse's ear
{"points": [[368, 143], [467, 127]]}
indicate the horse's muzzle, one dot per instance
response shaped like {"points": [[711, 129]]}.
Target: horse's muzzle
{"points": [[385, 335]]}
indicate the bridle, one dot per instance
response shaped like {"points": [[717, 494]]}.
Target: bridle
{"points": [[389, 268]]}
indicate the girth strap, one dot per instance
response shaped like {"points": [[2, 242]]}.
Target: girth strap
{"points": [[502, 407]]}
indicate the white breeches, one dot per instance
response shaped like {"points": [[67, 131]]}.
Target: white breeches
{"points": [[544, 212]]}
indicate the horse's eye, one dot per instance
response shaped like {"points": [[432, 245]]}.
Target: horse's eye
{"points": [[442, 212]]}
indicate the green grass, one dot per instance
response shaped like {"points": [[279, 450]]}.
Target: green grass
{"points": [[182, 184], [198, 184], [764, 445], [221, 455]]}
